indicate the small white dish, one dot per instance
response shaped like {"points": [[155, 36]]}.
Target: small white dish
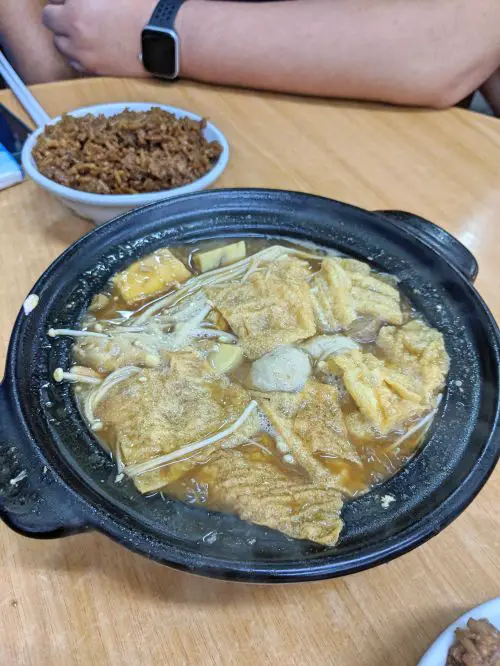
{"points": [[102, 207], [436, 655]]}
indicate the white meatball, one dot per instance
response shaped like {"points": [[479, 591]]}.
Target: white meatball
{"points": [[284, 369]]}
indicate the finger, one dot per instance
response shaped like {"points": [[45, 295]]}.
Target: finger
{"points": [[65, 47], [54, 18], [74, 64]]}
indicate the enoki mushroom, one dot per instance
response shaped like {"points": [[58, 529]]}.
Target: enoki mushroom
{"points": [[54, 332], [241, 268], [161, 461], [94, 397]]}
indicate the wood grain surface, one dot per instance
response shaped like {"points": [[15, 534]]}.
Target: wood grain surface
{"points": [[86, 601]]}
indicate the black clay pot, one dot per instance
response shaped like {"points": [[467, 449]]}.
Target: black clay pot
{"points": [[69, 486]]}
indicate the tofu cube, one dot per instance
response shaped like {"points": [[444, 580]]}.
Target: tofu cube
{"points": [[225, 358], [221, 256]]}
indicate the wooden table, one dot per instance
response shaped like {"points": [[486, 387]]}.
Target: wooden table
{"points": [[85, 600]]}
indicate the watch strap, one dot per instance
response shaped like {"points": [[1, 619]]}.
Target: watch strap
{"points": [[165, 13]]}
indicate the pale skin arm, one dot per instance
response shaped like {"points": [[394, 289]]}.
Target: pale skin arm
{"points": [[418, 52], [28, 44]]}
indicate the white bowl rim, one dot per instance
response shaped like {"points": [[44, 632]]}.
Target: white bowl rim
{"points": [[133, 200]]}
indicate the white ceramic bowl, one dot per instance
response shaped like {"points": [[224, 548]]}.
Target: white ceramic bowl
{"points": [[102, 207]]}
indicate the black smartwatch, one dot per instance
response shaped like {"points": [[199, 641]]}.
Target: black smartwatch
{"points": [[160, 42]]}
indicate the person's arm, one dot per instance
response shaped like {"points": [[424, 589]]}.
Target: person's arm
{"points": [[28, 44], [420, 52], [491, 90]]}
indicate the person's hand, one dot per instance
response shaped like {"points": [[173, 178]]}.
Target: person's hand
{"points": [[491, 90], [100, 36]]}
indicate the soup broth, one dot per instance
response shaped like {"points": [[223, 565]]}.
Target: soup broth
{"points": [[257, 376]]}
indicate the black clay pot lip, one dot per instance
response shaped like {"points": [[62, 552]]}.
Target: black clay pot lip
{"points": [[329, 565]]}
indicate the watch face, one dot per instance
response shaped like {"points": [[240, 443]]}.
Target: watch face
{"points": [[160, 52]]}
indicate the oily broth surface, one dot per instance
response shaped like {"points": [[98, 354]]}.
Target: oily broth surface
{"points": [[380, 458]]}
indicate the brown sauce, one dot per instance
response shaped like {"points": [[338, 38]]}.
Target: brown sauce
{"points": [[380, 458]]}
